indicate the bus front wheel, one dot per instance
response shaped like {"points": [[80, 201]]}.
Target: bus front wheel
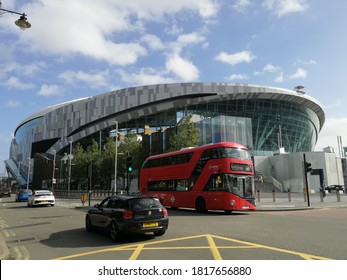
{"points": [[200, 205]]}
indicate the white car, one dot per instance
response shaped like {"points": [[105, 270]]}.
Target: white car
{"points": [[41, 197]]}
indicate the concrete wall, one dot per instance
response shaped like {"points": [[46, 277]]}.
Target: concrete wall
{"points": [[288, 169]]}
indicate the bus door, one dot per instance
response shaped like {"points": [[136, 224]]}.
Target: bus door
{"points": [[214, 192]]}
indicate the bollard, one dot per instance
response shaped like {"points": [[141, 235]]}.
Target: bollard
{"points": [[89, 197], [273, 196], [258, 195], [289, 196], [338, 195], [321, 196], [304, 192], [83, 198]]}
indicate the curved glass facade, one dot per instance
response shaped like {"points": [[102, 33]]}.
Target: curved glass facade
{"points": [[275, 123], [23, 130]]}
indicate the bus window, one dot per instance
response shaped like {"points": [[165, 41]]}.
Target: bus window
{"points": [[237, 153], [215, 153], [206, 155], [184, 185]]}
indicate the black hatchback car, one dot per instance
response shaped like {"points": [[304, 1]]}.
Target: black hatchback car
{"points": [[122, 214]]}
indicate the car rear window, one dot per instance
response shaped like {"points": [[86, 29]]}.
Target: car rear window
{"points": [[42, 193], [143, 203]]}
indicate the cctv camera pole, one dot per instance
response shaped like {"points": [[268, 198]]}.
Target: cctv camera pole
{"points": [[306, 182]]}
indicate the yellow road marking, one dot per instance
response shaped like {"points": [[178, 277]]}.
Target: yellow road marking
{"points": [[137, 252], [137, 249], [213, 247], [307, 256]]}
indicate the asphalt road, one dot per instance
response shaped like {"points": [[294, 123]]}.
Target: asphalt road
{"points": [[58, 232]]}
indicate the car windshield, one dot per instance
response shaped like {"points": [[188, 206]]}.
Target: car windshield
{"points": [[239, 185], [143, 203]]}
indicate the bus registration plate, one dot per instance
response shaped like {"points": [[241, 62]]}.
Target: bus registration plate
{"points": [[147, 225]]}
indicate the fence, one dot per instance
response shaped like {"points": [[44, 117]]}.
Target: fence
{"points": [[96, 194]]}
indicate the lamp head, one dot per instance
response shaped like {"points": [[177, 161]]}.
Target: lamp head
{"points": [[22, 22]]}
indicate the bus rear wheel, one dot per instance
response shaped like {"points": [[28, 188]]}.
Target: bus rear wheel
{"points": [[200, 205]]}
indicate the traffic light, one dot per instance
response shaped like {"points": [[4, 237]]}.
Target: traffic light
{"points": [[308, 167], [129, 164]]}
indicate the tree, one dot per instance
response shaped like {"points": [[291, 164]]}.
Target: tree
{"points": [[132, 147], [186, 135], [107, 160], [86, 165]]}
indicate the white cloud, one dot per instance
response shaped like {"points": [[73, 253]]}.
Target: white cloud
{"points": [[101, 29], [153, 41], [305, 62], [280, 78], [182, 68], [16, 83], [146, 76], [13, 103], [241, 5], [299, 74], [50, 90], [332, 128], [186, 40], [236, 58], [94, 80], [28, 70], [284, 7], [235, 77], [190, 39], [269, 68]]}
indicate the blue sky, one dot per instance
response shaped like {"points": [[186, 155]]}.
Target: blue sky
{"points": [[80, 48]]}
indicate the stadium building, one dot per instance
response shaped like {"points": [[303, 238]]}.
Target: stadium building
{"points": [[265, 119]]}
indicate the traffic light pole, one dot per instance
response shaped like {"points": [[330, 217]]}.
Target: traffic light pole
{"points": [[128, 182], [129, 169], [306, 182]]}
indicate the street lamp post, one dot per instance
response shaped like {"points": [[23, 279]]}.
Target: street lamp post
{"points": [[28, 173], [69, 179], [115, 160], [114, 133], [22, 22], [53, 171]]}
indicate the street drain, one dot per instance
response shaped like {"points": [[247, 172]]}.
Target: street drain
{"points": [[21, 240]]}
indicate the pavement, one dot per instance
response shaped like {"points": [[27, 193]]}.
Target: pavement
{"points": [[264, 202]]}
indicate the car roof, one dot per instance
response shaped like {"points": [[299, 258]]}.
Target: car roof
{"points": [[25, 190], [127, 197]]}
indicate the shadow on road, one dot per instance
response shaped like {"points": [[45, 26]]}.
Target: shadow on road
{"points": [[79, 238]]}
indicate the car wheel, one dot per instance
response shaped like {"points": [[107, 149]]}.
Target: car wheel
{"points": [[114, 232], [160, 232], [88, 224]]}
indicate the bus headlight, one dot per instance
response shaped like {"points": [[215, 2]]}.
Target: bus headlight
{"points": [[232, 202]]}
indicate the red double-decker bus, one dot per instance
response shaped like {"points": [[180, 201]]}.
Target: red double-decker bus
{"points": [[210, 177]]}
